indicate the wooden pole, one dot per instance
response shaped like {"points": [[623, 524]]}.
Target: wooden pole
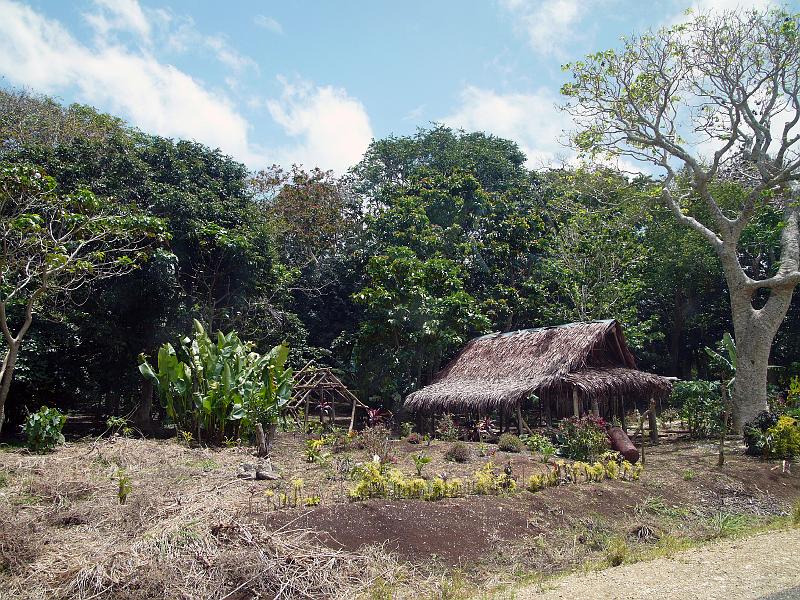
{"points": [[519, 418], [651, 416], [622, 413], [595, 407], [576, 406], [724, 428], [352, 417]]}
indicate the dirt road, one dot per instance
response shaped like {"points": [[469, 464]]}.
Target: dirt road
{"points": [[764, 566]]}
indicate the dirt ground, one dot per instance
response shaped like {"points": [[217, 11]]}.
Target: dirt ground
{"points": [[190, 528]]}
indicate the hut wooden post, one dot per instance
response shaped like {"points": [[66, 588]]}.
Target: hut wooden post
{"points": [[305, 424], [576, 405], [651, 417], [595, 407], [622, 413], [519, 418], [502, 419], [352, 418]]}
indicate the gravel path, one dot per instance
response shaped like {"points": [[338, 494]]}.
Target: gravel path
{"points": [[765, 566]]}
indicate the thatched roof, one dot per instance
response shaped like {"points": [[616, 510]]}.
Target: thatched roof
{"points": [[504, 369]]}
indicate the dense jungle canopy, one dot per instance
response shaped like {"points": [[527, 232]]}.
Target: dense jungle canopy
{"points": [[383, 273]]}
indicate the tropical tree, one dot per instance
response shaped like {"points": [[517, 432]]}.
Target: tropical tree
{"points": [[54, 245], [719, 97]]}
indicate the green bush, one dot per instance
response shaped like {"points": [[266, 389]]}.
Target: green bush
{"points": [[509, 442], [771, 436], [699, 404], [43, 429], [536, 442], [785, 438], [207, 385], [458, 452], [584, 438], [447, 429]]}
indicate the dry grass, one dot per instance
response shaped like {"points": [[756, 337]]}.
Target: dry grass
{"points": [[189, 529]]}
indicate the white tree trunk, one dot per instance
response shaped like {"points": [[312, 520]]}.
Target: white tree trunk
{"points": [[754, 332]]}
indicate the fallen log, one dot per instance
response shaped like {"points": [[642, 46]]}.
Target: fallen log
{"points": [[622, 444]]}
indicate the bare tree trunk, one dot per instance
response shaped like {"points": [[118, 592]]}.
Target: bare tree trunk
{"points": [[754, 332], [6, 374]]}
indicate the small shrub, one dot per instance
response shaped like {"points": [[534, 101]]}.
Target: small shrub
{"points": [[688, 475], [755, 433], [536, 442], [700, 406], [447, 429], [420, 460], [43, 429], [406, 427], [771, 436], [509, 442], [413, 438], [375, 440], [785, 438], [312, 501], [124, 487], [796, 513], [458, 452], [617, 551], [583, 438]]}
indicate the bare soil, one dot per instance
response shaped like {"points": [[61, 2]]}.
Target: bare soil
{"points": [[190, 528]]}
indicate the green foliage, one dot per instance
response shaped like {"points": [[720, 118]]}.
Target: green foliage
{"points": [[406, 427], [458, 452], [562, 473], [784, 438], [420, 460], [42, 429], [447, 428], [508, 442], [124, 485], [536, 442], [700, 405], [617, 551], [208, 384], [582, 438]]}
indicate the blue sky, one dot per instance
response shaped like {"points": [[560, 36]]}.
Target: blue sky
{"points": [[313, 82]]}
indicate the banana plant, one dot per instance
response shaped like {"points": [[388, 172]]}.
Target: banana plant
{"points": [[728, 363], [208, 384]]}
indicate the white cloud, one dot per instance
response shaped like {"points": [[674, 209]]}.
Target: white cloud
{"points": [[532, 120], [333, 128], [227, 55], [40, 53], [119, 15], [548, 24], [268, 23]]}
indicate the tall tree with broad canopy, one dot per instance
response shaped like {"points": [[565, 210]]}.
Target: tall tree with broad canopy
{"points": [[53, 245], [718, 97]]}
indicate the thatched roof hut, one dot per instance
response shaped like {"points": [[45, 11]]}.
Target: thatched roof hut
{"points": [[575, 366]]}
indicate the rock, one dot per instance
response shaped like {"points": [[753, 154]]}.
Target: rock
{"points": [[268, 475], [246, 474]]}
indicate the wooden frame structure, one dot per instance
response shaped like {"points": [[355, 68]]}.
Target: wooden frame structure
{"points": [[319, 384]]}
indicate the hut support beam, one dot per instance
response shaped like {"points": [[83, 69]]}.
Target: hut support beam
{"points": [[595, 407], [352, 418], [576, 404]]}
